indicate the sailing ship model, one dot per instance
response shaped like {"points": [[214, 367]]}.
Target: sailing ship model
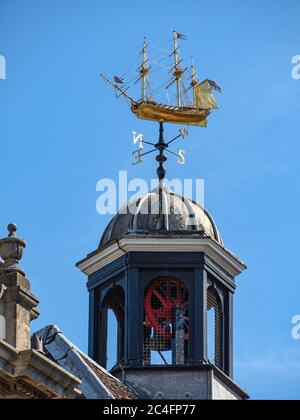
{"points": [[188, 111]]}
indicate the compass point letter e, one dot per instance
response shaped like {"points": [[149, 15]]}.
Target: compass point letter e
{"points": [[138, 157]]}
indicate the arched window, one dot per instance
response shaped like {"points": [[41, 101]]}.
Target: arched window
{"points": [[211, 322], [112, 340], [166, 324], [112, 315], [214, 327]]}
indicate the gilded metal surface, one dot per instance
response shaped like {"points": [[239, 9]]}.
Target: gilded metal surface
{"points": [[171, 114]]}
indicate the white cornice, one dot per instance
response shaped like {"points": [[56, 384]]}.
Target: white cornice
{"points": [[218, 253]]}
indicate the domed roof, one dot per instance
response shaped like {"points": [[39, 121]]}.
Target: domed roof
{"points": [[156, 213]]}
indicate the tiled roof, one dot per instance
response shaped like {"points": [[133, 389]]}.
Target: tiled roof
{"points": [[115, 387]]}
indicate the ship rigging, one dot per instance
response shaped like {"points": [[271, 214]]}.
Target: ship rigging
{"points": [[185, 110]]}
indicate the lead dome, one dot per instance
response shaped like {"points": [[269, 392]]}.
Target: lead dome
{"points": [[157, 213]]}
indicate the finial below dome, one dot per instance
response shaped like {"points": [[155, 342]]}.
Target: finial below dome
{"points": [[12, 228]]}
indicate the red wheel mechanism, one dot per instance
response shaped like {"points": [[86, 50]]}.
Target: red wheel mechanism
{"points": [[163, 297]]}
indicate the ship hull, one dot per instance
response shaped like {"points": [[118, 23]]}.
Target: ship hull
{"points": [[170, 114]]}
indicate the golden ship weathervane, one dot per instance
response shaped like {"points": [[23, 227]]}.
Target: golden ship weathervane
{"points": [[187, 110]]}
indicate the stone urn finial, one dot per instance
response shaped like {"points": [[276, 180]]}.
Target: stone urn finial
{"points": [[11, 250]]}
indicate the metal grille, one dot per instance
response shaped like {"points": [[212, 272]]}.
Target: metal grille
{"points": [[166, 325], [213, 301], [112, 312]]}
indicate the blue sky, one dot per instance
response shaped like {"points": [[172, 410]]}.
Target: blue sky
{"points": [[61, 130]]}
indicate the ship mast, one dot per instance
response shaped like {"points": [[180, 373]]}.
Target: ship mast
{"points": [[177, 69], [194, 82], [144, 69]]}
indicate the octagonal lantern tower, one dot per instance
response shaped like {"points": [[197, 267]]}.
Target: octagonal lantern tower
{"points": [[161, 291]]}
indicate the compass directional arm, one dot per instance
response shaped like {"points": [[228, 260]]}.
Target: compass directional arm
{"points": [[173, 153], [161, 146], [148, 142], [147, 153], [175, 138]]}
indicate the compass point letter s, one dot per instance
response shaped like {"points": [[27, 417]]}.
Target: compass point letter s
{"points": [[296, 68], [181, 155]]}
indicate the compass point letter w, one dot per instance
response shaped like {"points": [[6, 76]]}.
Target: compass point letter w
{"points": [[183, 132]]}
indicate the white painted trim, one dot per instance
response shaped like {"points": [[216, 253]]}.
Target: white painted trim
{"points": [[153, 244]]}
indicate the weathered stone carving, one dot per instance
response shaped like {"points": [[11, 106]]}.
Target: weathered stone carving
{"points": [[11, 250]]}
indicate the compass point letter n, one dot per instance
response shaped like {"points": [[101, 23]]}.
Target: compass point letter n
{"points": [[138, 138]]}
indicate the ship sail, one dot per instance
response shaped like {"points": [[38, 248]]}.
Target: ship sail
{"points": [[203, 96]]}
